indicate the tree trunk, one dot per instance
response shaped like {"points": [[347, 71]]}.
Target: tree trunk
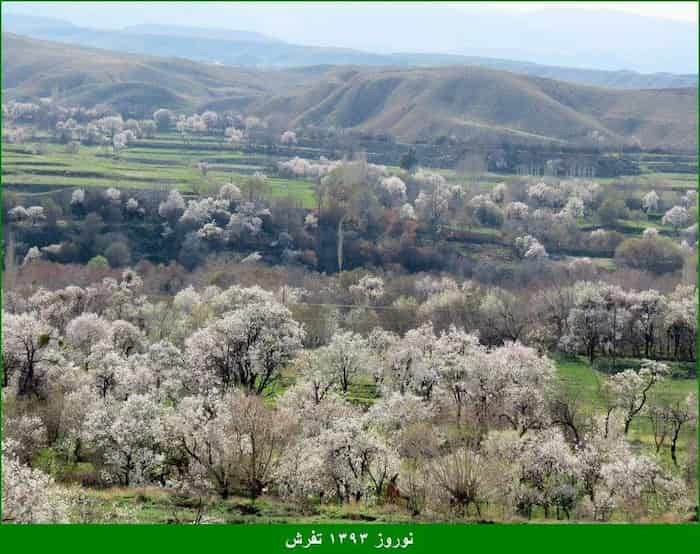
{"points": [[674, 444], [26, 386], [340, 239]]}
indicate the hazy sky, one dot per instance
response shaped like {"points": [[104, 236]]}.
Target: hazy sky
{"points": [[198, 13], [681, 11]]}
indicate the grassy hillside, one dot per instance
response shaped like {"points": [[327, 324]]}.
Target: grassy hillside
{"points": [[33, 68], [473, 103], [469, 103]]}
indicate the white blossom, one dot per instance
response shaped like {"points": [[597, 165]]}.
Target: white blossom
{"points": [[368, 288], [18, 213], [677, 217], [77, 197], [36, 213], [32, 254], [407, 212], [113, 195], [517, 211], [29, 495], [173, 206], [650, 202], [393, 190], [288, 137]]}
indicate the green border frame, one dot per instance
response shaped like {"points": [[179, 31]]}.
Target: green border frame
{"points": [[427, 538]]}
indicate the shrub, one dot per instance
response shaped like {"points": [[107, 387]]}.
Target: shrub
{"points": [[66, 254], [679, 370], [163, 119], [655, 254], [98, 262], [118, 254], [683, 370], [611, 366], [191, 253], [611, 210], [633, 203]]}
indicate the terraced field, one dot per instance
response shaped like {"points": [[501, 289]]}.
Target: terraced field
{"points": [[166, 161], [161, 163]]}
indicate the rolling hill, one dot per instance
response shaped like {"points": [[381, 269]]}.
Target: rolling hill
{"points": [[474, 103], [251, 49], [469, 103], [33, 69]]}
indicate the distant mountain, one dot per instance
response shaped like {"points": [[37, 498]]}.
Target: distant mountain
{"points": [[469, 103], [593, 77], [595, 36], [31, 24], [250, 49], [198, 32]]}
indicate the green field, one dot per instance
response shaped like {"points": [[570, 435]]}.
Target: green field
{"points": [[166, 161], [579, 377], [153, 505], [163, 162], [584, 382]]}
